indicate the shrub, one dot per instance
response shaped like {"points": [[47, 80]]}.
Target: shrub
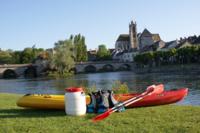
{"points": [[120, 88]]}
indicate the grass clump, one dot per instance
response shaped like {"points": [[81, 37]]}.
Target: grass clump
{"points": [[120, 88], [117, 87]]}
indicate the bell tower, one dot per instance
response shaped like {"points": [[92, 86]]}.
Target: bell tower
{"points": [[133, 35]]}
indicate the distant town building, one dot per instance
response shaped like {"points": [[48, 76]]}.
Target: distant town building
{"points": [[128, 45], [123, 42], [146, 38], [183, 45], [170, 45], [197, 41], [157, 46], [92, 55]]}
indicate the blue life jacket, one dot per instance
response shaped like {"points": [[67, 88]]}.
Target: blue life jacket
{"points": [[101, 101]]}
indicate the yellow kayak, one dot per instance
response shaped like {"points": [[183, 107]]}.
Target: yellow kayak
{"points": [[43, 101]]}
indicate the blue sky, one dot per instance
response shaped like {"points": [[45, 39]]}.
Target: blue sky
{"points": [[24, 23]]}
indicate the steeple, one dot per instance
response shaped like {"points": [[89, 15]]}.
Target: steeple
{"points": [[133, 35]]}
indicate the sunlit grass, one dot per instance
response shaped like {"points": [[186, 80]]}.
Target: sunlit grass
{"points": [[170, 118]]}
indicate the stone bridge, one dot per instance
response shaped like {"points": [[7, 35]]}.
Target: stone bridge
{"points": [[105, 66], [34, 70], [18, 70]]}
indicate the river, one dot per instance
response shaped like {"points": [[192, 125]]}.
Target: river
{"points": [[136, 83]]}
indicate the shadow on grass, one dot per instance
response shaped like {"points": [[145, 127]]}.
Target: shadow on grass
{"points": [[28, 113]]}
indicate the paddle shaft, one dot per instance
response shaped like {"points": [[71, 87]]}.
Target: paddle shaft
{"points": [[130, 101]]}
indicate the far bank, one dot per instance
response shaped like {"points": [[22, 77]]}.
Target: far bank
{"points": [[180, 68]]}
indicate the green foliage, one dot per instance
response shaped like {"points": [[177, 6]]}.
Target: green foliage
{"points": [[103, 53], [89, 90], [120, 88], [27, 55], [5, 57], [62, 60], [117, 88], [183, 55], [159, 119], [80, 48], [16, 57]]}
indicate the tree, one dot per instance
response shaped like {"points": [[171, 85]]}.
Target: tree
{"points": [[80, 48], [16, 55], [62, 60], [103, 53], [5, 57], [27, 55]]}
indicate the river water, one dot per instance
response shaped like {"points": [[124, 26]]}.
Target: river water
{"points": [[136, 83]]}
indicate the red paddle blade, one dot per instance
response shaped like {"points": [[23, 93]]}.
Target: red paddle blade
{"points": [[101, 116], [155, 89]]}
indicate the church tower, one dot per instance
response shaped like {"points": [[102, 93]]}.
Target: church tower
{"points": [[133, 35]]}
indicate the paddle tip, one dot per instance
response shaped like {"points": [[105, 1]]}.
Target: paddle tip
{"points": [[101, 116]]}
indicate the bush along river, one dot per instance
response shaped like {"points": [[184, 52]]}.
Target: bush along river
{"points": [[136, 83]]}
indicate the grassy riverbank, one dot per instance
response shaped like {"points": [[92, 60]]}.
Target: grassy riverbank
{"points": [[170, 118]]}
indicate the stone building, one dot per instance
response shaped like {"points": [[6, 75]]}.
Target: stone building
{"points": [[170, 45], [128, 41], [134, 42], [92, 55], [123, 42], [146, 38], [157, 46]]}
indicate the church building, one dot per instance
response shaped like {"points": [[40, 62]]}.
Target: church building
{"points": [[134, 42]]}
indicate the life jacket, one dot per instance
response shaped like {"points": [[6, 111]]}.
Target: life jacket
{"points": [[101, 101]]}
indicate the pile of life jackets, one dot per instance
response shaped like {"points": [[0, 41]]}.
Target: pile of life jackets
{"points": [[101, 101]]}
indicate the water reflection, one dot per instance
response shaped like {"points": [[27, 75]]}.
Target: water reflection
{"points": [[136, 82]]}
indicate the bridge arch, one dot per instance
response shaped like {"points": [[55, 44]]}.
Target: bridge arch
{"points": [[108, 68], [30, 72], [90, 69], [125, 67], [9, 74]]}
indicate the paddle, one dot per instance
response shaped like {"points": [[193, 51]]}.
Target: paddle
{"points": [[149, 91]]}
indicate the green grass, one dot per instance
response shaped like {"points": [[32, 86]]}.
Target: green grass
{"points": [[164, 119]]}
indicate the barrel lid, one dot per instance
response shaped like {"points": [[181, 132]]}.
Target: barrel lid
{"points": [[74, 89]]}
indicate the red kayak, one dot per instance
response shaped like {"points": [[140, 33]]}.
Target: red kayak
{"points": [[167, 97]]}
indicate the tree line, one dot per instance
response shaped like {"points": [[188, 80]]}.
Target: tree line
{"points": [[62, 57], [28, 55], [183, 55]]}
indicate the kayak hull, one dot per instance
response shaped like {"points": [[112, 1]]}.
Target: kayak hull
{"points": [[38, 101]]}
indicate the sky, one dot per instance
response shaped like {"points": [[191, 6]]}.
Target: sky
{"points": [[24, 23]]}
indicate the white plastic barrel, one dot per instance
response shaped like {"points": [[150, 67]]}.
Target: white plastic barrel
{"points": [[75, 102]]}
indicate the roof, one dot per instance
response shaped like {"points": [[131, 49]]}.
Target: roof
{"points": [[153, 47], [123, 37], [92, 52], [111, 50], [167, 44], [197, 41], [146, 33], [156, 37], [183, 44]]}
